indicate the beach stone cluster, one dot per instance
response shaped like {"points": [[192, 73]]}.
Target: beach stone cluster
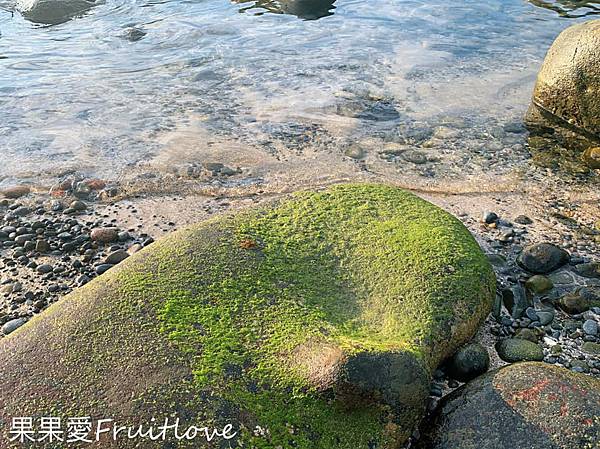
{"points": [[49, 248]]}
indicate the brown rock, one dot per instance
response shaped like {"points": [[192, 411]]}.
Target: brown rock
{"points": [[105, 235], [574, 303], [591, 157], [568, 84], [16, 191]]}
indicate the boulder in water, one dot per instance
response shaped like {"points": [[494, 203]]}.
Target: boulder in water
{"points": [[567, 91]]}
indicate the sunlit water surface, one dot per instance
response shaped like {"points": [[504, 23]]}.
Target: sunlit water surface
{"points": [[419, 92]]}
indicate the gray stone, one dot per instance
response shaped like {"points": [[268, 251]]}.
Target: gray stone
{"points": [[13, 325], [518, 407], [105, 235], [44, 268], [590, 327], [103, 268], [116, 257], [545, 317]]}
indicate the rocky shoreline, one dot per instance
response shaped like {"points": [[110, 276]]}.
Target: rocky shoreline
{"points": [[288, 318]]}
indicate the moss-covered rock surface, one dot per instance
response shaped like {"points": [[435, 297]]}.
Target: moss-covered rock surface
{"points": [[312, 323], [526, 405]]}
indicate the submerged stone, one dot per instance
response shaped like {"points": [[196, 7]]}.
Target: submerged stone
{"points": [[526, 405], [312, 323]]}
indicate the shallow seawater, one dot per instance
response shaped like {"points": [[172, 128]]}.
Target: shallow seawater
{"points": [[295, 92]]}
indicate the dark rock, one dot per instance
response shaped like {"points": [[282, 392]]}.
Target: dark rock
{"points": [[542, 258], [516, 301], [526, 405], [22, 211], [489, 217], [45, 268], [103, 268], [116, 257], [21, 239], [469, 362]]}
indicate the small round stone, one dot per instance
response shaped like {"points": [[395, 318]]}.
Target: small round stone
{"points": [[518, 350], [469, 362], [590, 327], [44, 268]]}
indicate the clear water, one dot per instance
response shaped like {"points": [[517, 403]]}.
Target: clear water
{"points": [[417, 92]]}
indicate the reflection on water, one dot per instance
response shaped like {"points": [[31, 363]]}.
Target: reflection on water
{"points": [[53, 12], [304, 9], [569, 8], [413, 91]]}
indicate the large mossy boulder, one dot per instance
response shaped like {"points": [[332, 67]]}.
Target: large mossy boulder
{"points": [[313, 323], [567, 91], [527, 405]]}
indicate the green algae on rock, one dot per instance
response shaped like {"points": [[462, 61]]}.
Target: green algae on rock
{"points": [[526, 405], [313, 323]]}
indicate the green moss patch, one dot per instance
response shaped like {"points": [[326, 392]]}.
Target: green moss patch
{"points": [[284, 315]]}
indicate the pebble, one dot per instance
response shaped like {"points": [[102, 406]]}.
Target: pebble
{"points": [[489, 217], [78, 206], [539, 284], [590, 327], [103, 268], [105, 235], [469, 362], [116, 257], [523, 220], [545, 316], [518, 350], [16, 192], [45, 268], [134, 248], [13, 325], [531, 314]]}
